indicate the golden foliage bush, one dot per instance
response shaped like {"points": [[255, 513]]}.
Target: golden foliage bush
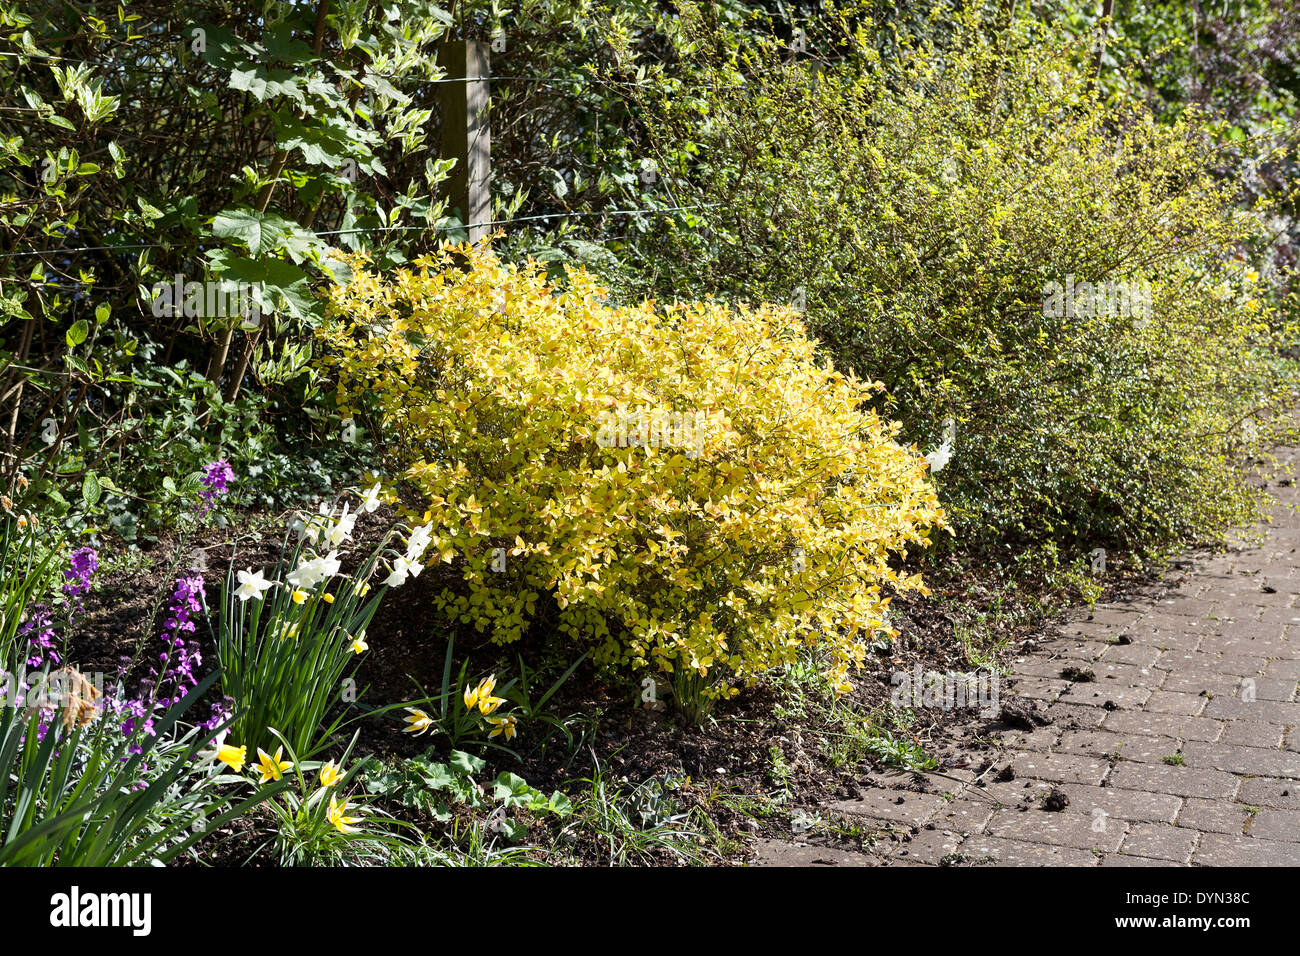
{"points": [[696, 493]]}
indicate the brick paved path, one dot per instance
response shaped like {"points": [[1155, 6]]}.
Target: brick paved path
{"points": [[1185, 749]]}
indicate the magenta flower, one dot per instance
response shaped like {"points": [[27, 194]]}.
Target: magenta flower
{"points": [[216, 483], [84, 563], [39, 633]]}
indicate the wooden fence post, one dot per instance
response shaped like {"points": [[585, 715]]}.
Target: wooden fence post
{"points": [[465, 132]]}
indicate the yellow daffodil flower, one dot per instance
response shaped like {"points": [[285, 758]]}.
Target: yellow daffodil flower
{"points": [[232, 757], [419, 721], [328, 598], [299, 596], [337, 815], [359, 645], [330, 775], [271, 768]]}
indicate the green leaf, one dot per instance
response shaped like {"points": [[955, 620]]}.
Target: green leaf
{"points": [[77, 334], [465, 763], [438, 776], [90, 490]]}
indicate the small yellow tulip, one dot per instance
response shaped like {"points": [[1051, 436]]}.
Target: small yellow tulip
{"points": [[483, 695], [271, 768], [419, 721], [337, 815], [330, 775]]}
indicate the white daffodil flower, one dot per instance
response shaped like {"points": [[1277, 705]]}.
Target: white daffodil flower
{"points": [[341, 529], [419, 542], [310, 573], [402, 567], [251, 585], [370, 499]]}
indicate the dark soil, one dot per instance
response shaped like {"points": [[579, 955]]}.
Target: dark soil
{"points": [[729, 760]]}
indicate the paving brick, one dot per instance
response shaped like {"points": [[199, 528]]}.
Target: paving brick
{"points": [[1168, 702], [1160, 841], [1075, 716], [894, 806], [1044, 738], [1179, 781], [1107, 694], [1281, 825], [1283, 669], [1112, 615], [1215, 816], [1254, 648], [1120, 859], [928, 846], [1002, 852], [783, 853], [1270, 792], [1269, 688], [1180, 638], [1143, 655], [1133, 805], [966, 814], [1067, 650], [1245, 760], [1016, 793], [1162, 725], [1121, 746], [1068, 828], [1271, 711], [1219, 849], [1200, 685], [1038, 688], [1062, 768], [1284, 616], [1183, 606], [1210, 665], [1252, 733]]}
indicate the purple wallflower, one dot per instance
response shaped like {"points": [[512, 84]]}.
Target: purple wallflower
{"points": [[216, 482], [84, 563], [180, 656], [39, 633]]}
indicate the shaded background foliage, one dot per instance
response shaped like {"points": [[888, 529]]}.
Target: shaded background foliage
{"points": [[667, 146]]}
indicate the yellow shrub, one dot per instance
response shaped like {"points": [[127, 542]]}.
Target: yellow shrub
{"points": [[698, 495]]}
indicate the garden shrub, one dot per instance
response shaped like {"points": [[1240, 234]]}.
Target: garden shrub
{"points": [[696, 492], [926, 208]]}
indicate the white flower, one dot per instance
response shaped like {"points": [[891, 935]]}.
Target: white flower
{"points": [[308, 574], [312, 527], [251, 585], [943, 454], [419, 541], [370, 499], [403, 566], [341, 530]]}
